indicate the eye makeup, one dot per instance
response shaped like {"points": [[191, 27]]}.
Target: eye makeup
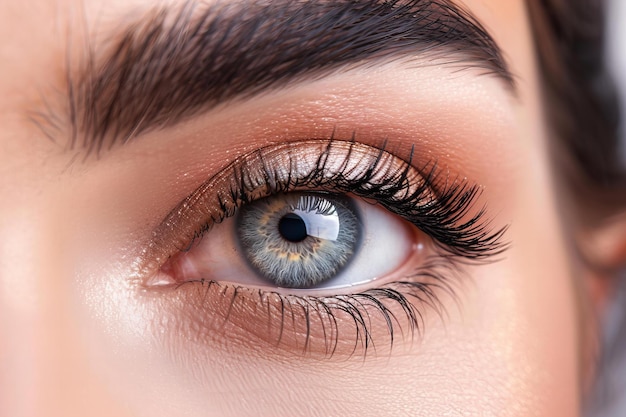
{"points": [[322, 323]]}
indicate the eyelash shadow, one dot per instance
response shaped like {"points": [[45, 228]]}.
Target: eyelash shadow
{"points": [[437, 205]]}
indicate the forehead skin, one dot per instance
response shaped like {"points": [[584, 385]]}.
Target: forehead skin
{"points": [[75, 343]]}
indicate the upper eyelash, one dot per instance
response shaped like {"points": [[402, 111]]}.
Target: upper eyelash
{"points": [[436, 205]]}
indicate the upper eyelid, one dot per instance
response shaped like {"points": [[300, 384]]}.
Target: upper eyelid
{"points": [[217, 198], [219, 185]]}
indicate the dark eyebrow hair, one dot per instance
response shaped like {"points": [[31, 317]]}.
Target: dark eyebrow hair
{"points": [[174, 63]]}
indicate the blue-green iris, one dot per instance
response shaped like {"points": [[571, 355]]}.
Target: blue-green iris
{"points": [[299, 240]]}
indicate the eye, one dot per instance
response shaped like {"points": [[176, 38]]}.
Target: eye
{"points": [[300, 240], [316, 246]]}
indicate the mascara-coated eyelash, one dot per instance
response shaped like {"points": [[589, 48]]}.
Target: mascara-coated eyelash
{"points": [[437, 205], [433, 202]]}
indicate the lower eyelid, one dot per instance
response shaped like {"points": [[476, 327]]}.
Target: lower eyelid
{"points": [[214, 315], [219, 315]]}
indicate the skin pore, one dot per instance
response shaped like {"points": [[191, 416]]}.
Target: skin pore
{"points": [[85, 331]]}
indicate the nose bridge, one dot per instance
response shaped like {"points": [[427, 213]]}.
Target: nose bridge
{"points": [[45, 368], [39, 345], [20, 311], [36, 349]]}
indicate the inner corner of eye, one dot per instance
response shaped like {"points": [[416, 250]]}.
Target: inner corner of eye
{"points": [[299, 241], [167, 274]]}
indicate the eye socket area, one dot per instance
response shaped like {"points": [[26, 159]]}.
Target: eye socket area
{"points": [[300, 242], [429, 218]]}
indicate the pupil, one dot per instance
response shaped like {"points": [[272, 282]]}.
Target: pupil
{"points": [[292, 228]]}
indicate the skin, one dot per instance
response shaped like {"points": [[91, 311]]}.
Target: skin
{"points": [[79, 337]]}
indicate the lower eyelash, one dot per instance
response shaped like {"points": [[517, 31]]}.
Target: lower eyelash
{"points": [[401, 305]]}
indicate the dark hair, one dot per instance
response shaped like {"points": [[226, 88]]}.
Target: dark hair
{"points": [[582, 111], [581, 102]]}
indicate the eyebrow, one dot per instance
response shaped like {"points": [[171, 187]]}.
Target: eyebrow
{"points": [[174, 63]]}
